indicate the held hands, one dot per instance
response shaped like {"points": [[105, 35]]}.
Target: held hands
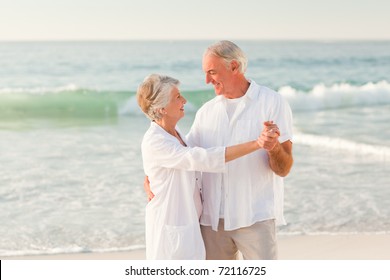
{"points": [[268, 138]]}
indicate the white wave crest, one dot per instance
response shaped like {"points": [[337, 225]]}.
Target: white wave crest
{"points": [[342, 144], [337, 96], [130, 107]]}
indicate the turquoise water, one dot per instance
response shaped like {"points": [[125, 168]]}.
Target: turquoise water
{"points": [[70, 131]]}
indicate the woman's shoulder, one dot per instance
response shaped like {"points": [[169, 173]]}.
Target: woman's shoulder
{"points": [[157, 137], [152, 135]]}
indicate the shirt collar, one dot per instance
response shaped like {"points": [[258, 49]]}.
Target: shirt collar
{"points": [[250, 93]]}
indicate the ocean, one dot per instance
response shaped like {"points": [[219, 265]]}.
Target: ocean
{"points": [[71, 176]]}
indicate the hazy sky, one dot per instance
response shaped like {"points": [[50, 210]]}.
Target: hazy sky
{"points": [[195, 19]]}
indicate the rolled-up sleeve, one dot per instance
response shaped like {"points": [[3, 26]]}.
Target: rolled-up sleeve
{"points": [[282, 116]]}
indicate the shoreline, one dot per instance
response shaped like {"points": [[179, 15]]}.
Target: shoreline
{"points": [[300, 247]]}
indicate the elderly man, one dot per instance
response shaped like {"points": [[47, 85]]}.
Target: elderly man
{"points": [[242, 206]]}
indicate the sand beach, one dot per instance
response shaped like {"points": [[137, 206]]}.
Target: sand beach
{"points": [[302, 247]]}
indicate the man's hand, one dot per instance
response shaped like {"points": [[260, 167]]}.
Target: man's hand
{"points": [[269, 136], [149, 193]]}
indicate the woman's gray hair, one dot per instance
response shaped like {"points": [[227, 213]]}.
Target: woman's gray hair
{"points": [[229, 52], [154, 93]]}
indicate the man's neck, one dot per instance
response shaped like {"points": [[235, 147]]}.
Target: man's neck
{"points": [[239, 91]]}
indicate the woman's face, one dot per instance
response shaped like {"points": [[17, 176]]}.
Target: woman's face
{"points": [[175, 108]]}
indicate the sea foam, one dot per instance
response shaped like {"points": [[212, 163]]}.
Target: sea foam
{"points": [[342, 144], [341, 95]]}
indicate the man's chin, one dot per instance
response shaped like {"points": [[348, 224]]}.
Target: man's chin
{"points": [[218, 91]]}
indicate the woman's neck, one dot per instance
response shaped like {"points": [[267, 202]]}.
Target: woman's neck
{"points": [[170, 127]]}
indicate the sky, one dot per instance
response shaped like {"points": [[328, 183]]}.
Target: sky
{"points": [[194, 20]]}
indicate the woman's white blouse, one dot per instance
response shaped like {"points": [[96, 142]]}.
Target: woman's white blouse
{"points": [[171, 217]]}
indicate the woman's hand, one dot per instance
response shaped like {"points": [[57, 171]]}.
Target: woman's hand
{"points": [[148, 192]]}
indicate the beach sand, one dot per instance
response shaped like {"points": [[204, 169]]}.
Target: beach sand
{"points": [[305, 247]]}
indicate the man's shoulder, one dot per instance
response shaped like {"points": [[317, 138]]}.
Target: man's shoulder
{"points": [[264, 90]]}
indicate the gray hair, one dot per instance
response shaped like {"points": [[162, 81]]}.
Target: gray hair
{"points": [[229, 52], [154, 93]]}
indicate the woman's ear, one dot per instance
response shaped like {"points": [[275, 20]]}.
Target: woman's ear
{"points": [[162, 111]]}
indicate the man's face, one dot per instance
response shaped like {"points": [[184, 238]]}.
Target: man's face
{"points": [[218, 73]]}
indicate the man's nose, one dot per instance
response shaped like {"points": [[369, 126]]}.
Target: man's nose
{"points": [[208, 79]]}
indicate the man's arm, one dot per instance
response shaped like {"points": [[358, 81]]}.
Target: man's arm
{"points": [[280, 158]]}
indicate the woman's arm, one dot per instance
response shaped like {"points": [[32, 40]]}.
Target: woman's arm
{"points": [[236, 151]]}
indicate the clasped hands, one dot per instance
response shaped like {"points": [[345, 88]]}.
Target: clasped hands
{"points": [[268, 138]]}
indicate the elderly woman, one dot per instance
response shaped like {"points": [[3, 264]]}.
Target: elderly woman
{"points": [[172, 216]]}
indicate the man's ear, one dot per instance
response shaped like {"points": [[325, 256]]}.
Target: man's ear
{"points": [[234, 66]]}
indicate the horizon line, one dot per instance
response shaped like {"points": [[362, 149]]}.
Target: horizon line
{"points": [[200, 40]]}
